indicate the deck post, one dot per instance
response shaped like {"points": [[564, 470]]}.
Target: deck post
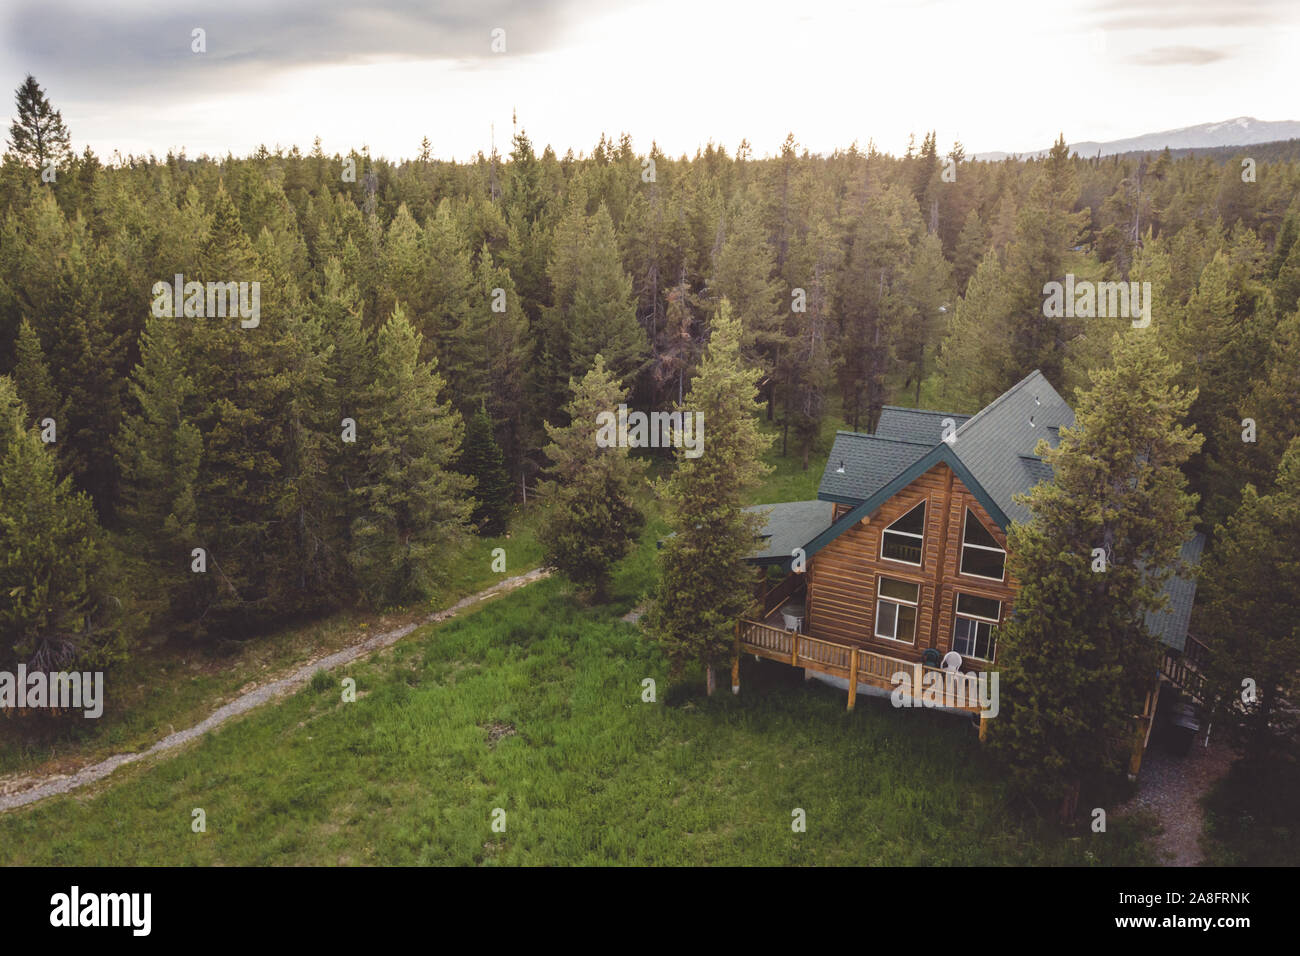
{"points": [[1139, 742], [735, 663], [853, 676], [984, 726]]}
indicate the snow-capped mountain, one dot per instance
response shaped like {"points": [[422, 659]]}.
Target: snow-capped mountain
{"points": [[1241, 131]]}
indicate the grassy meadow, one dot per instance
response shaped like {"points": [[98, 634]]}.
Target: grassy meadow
{"points": [[534, 705]]}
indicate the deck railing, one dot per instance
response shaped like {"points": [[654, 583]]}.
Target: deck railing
{"points": [[957, 691], [1183, 672]]}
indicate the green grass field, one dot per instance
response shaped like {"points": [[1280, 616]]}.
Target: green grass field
{"points": [[167, 687], [534, 705]]}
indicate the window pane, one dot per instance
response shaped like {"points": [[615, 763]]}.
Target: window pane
{"points": [[885, 619], [902, 548], [983, 640], [986, 564], [906, 623], [980, 607], [961, 636], [913, 522], [976, 534], [898, 589]]}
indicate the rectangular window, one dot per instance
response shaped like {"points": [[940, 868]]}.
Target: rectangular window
{"points": [[981, 557], [896, 610], [973, 630], [902, 540]]}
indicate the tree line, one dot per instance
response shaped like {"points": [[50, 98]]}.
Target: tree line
{"points": [[460, 314]]}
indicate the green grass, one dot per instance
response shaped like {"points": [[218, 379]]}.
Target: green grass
{"points": [[788, 481], [534, 705], [165, 688]]}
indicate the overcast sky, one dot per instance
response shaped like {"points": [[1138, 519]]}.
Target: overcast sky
{"points": [[1000, 75]]}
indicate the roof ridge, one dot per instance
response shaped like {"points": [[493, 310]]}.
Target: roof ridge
{"points": [[922, 411], [901, 441], [997, 401]]}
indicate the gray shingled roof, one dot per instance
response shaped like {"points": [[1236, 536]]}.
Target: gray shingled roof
{"points": [[997, 445], [791, 524], [915, 424], [1169, 625], [869, 463], [996, 448]]}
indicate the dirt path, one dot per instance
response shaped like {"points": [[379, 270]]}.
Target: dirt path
{"points": [[1171, 788], [31, 789]]}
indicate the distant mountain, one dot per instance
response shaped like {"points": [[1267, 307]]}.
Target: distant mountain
{"points": [[1242, 131]]}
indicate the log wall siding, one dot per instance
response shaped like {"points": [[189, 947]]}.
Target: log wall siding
{"points": [[842, 576]]}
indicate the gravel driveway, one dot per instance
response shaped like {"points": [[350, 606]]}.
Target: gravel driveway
{"points": [[1170, 788]]}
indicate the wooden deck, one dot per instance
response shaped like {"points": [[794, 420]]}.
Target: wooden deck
{"points": [[1184, 670], [764, 638], [762, 632]]}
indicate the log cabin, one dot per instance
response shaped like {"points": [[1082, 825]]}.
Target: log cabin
{"points": [[900, 565]]}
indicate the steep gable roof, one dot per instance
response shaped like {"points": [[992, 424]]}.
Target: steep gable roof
{"points": [[997, 444], [941, 453], [868, 463]]}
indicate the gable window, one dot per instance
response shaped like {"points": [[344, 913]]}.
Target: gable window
{"points": [[902, 540], [981, 557], [972, 632], [896, 610]]}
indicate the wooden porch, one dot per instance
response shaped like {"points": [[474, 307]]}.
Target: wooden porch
{"points": [[762, 632]]}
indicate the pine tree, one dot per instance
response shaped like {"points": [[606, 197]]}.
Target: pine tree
{"points": [[494, 352], [602, 319], [32, 377], [160, 449], [412, 505], [60, 610], [972, 245], [1286, 282], [564, 267], [1075, 656], [1219, 339], [742, 274], [807, 370], [1250, 603], [482, 461], [704, 583], [972, 359], [871, 300], [592, 514], [1046, 229], [62, 283], [926, 291], [38, 136]]}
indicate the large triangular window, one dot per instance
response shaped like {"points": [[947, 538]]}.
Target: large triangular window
{"points": [[902, 540], [981, 556]]}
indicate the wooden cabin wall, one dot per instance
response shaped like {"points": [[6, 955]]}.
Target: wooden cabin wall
{"points": [[842, 576]]}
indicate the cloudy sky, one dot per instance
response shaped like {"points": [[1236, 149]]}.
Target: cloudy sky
{"points": [[996, 74]]}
